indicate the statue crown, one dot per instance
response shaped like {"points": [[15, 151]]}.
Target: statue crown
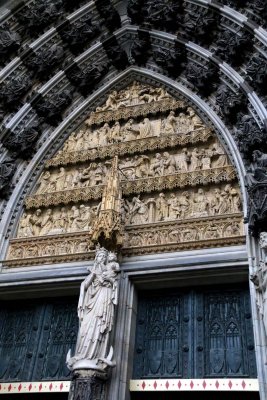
{"points": [[101, 250]]}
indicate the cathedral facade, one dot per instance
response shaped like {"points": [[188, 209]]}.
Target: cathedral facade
{"points": [[133, 199]]}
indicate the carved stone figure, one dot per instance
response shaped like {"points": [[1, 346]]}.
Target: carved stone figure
{"points": [[157, 165], [47, 222], [162, 207], [174, 207], [128, 167], [260, 281], [75, 214], [220, 156], [195, 161], [183, 160], [200, 204], [141, 166], [60, 179], [35, 221], [138, 211], [130, 131], [195, 121], [145, 129], [24, 229], [249, 134], [229, 103], [82, 221], [98, 297], [227, 205], [183, 123], [206, 159], [185, 204], [216, 202], [170, 124], [114, 133], [169, 163]]}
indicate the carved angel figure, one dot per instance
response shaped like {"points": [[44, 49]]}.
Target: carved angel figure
{"points": [[98, 297]]}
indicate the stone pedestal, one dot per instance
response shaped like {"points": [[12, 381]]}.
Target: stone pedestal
{"points": [[88, 385]]}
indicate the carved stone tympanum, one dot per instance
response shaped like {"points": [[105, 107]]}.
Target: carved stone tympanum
{"points": [[143, 171]]}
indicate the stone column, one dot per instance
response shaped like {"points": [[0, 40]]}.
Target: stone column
{"points": [[257, 260], [87, 385]]}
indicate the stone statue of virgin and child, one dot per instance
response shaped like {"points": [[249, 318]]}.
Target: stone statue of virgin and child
{"points": [[98, 297]]}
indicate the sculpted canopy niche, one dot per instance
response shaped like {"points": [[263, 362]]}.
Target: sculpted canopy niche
{"points": [[179, 189]]}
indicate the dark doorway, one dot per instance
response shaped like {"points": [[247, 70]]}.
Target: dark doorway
{"points": [[195, 395]]}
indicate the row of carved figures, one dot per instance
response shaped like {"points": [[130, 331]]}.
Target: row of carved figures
{"points": [[88, 139], [185, 234], [137, 211], [181, 206], [140, 166], [134, 95], [157, 236]]}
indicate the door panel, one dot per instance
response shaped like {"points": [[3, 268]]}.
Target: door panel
{"points": [[196, 334], [163, 337], [35, 339], [18, 341]]}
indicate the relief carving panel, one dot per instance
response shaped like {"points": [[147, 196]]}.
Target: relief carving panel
{"points": [[178, 185]]}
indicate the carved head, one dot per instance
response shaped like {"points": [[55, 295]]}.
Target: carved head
{"points": [[101, 254], [112, 256], [256, 154]]}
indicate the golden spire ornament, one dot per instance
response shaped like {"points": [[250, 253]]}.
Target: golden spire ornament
{"points": [[107, 229]]}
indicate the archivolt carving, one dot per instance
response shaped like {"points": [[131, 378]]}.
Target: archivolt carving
{"points": [[171, 171]]}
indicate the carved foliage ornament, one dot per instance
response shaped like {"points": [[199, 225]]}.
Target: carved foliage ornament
{"points": [[7, 170], [79, 34], [51, 109], [9, 42], [22, 143], [44, 62], [13, 90]]}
